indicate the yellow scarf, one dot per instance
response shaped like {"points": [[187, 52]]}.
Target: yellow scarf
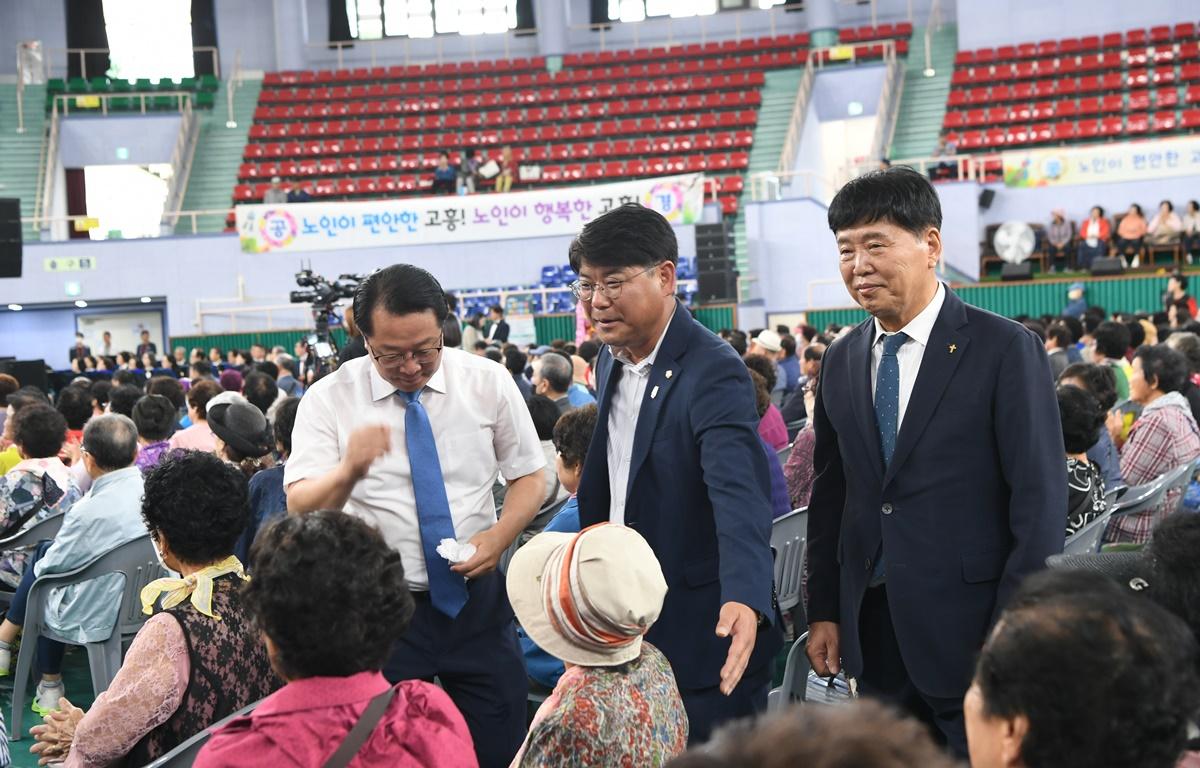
{"points": [[199, 586]]}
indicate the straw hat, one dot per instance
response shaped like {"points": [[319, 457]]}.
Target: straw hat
{"points": [[587, 598]]}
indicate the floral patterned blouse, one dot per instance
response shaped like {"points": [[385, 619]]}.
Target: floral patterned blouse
{"points": [[31, 491], [609, 716]]}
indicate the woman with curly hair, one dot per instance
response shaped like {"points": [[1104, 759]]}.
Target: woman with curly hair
{"points": [[333, 677], [198, 659]]}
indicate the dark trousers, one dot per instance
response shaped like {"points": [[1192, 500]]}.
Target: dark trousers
{"points": [[1059, 255], [477, 660], [708, 708], [50, 653], [1089, 253], [1129, 248], [885, 677]]}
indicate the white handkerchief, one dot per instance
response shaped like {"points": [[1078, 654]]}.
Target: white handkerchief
{"points": [[455, 552]]}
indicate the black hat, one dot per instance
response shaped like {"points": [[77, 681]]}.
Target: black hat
{"points": [[242, 426], [1131, 570]]}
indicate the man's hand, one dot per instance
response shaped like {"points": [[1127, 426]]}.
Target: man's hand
{"points": [[1115, 422], [366, 444], [488, 549], [822, 648], [739, 622]]}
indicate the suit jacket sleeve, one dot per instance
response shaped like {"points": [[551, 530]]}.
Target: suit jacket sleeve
{"points": [[825, 508], [1030, 444], [738, 482]]}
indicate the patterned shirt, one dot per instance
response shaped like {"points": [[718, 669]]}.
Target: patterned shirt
{"points": [[1085, 494], [630, 715], [150, 454], [1164, 437], [33, 490], [799, 468]]}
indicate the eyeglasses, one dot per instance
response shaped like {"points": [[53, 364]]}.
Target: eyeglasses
{"points": [[422, 356], [610, 289]]}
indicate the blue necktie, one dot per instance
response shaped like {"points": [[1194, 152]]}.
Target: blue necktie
{"points": [[887, 417], [887, 395], [447, 589]]}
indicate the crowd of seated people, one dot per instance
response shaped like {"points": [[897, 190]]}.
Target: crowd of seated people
{"points": [[1130, 236], [199, 467]]}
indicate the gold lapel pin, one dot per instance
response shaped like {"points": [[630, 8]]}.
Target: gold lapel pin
{"points": [[952, 348], [667, 374]]}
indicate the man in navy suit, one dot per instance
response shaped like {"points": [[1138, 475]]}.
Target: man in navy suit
{"points": [[939, 462], [676, 456]]}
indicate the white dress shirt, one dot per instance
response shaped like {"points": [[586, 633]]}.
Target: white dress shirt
{"points": [[481, 427], [623, 412], [910, 354]]}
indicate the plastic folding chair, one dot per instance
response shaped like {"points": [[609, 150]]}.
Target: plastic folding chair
{"points": [[185, 754], [139, 564], [789, 536]]}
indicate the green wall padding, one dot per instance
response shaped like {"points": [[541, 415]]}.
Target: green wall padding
{"points": [[1119, 294], [716, 317], [547, 328]]}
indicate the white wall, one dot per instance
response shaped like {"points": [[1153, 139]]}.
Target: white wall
{"points": [[794, 255], [44, 20], [90, 140], [987, 23]]}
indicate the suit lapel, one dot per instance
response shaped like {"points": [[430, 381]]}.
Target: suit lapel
{"points": [[594, 498], [946, 348], [861, 402]]}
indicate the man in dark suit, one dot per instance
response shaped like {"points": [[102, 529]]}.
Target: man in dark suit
{"points": [[145, 347], [498, 328], [676, 456], [80, 350], [939, 463]]}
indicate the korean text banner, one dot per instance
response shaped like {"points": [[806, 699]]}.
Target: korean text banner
{"points": [[293, 227], [1103, 163]]}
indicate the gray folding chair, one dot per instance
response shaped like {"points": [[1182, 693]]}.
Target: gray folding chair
{"points": [[783, 453], [42, 530], [137, 562], [794, 427], [185, 754], [788, 539], [795, 677], [1086, 540]]}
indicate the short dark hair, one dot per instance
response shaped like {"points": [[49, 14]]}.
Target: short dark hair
{"points": [[499, 310], [200, 503], [451, 331], [545, 415], [493, 354], [1100, 380], [100, 391], [27, 396], [515, 361], [202, 368], [8, 385], [1164, 364], [898, 195], [1081, 418], [764, 367], [629, 235], [1048, 655], [285, 421], [1137, 334], [155, 417], [111, 441], [75, 404], [169, 387], [588, 351], [813, 353], [1180, 278], [1036, 327], [737, 340], [286, 363], [261, 390], [200, 393], [1074, 325], [1112, 339], [557, 371], [39, 430], [573, 434], [400, 289], [1172, 554], [121, 399], [1060, 334], [788, 343], [864, 734], [326, 569], [267, 367]]}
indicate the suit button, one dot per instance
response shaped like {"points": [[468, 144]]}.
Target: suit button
{"points": [[868, 564], [887, 509]]}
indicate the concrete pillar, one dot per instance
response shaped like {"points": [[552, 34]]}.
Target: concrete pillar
{"points": [[822, 22], [551, 19]]}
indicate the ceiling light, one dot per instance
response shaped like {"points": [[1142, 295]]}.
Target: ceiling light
{"points": [[80, 303], [145, 299], [15, 307]]}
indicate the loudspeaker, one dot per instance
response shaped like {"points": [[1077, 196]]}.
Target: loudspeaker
{"points": [[1102, 267], [29, 373], [716, 287], [985, 198], [1022, 271], [713, 247], [10, 237]]}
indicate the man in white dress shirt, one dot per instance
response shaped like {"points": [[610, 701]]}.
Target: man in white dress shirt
{"points": [[356, 431]]}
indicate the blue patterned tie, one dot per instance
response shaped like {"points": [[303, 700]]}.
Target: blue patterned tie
{"points": [[887, 416], [447, 589], [887, 395]]}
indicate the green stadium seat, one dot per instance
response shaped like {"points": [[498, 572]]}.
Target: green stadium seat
{"points": [[167, 84], [164, 102], [121, 86], [98, 85], [209, 83], [187, 83], [205, 99], [122, 104], [144, 84], [56, 85], [77, 85]]}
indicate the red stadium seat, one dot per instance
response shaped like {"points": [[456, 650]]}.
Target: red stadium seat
{"points": [[1164, 121], [1040, 133], [1090, 129], [1065, 131], [1138, 123], [1166, 97], [1190, 119], [1139, 100]]}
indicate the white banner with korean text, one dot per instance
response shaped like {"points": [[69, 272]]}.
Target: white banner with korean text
{"points": [[316, 226], [1103, 163]]}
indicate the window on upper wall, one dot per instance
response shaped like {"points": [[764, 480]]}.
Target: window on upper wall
{"points": [[376, 19], [149, 38], [639, 10]]}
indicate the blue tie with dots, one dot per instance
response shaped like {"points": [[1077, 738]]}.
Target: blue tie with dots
{"points": [[887, 395], [887, 416], [447, 589]]}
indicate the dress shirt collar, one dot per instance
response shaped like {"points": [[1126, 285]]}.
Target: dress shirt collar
{"points": [[621, 356], [114, 477], [919, 328], [322, 692], [380, 388]]}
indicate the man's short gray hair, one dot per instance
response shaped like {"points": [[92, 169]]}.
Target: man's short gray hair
{"points": [[557, 371], [111, 440]]}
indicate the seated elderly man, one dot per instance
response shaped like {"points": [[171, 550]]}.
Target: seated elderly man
{"points": [[109, 515], [552, 377]]}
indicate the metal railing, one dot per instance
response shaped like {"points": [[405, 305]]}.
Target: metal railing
{"points": [[50, 70], [934, 24], [182, 156], [950, 167], [661, 30], [62, 102], [419, 50], [232, 84], [768, 185], [171, 221], [47, 165], [887, 112]]}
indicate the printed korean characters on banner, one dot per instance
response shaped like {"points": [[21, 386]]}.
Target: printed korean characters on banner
{"points": [[293, 227], [1103, 163]]}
